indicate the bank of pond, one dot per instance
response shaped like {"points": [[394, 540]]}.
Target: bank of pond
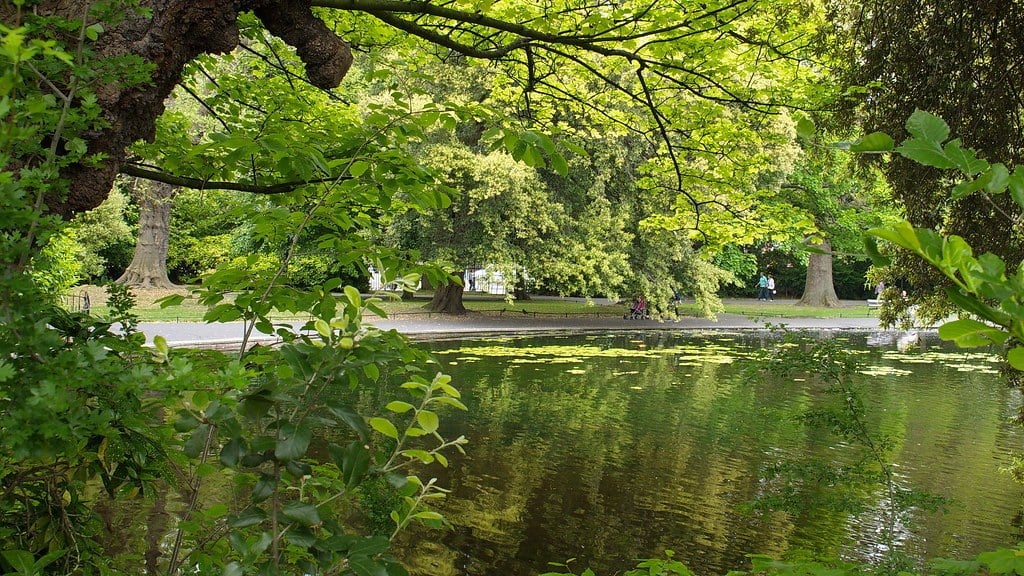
{"points": [[609, 448]]}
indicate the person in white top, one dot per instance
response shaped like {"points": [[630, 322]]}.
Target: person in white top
{"points": [[771, 287]]}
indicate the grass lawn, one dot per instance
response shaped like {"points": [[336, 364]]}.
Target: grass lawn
{"points": [[191, 311]]}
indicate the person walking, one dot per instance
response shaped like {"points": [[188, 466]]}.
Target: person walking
{"points": [[762, 287], [771, 287]]}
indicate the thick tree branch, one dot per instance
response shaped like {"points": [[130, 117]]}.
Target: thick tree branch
{"points": [[200, 184]]}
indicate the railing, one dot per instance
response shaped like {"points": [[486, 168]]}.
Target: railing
{"points": [[75, 302]]}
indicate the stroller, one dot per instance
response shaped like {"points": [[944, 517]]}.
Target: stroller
{"points": [[638, 309]]}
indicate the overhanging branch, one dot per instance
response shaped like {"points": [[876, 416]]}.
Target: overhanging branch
{"points": [[200, 184]]}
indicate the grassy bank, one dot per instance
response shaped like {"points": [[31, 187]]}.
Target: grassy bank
{"points": [[190, 311]]}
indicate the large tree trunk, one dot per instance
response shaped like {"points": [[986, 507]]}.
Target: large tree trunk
{"points": [[447, 299], [819, 290], [149, 264], [168, 34]]}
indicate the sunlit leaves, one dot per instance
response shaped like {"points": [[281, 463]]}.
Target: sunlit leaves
{"points": [[971, 333], [385, 427]]}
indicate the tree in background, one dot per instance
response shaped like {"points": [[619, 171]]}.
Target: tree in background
{"points": [[501, 215], [951, 59], [148, 268], [828, 186]]}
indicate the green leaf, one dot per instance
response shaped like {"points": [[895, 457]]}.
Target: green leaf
{"points": [[160, 344], [197, 441], [264, 488], [350, 417], [999, 178], [928, 126], [232, 452], [370, 546], [93, 32], [971, 333], [902, 234], [969, 187], [975, 306], [353, 461], [421, 455], [874, 143], [366, 566], [559, 165], [805, 128], [871, 247], [385, 427], [168, 301], [322, 328], [1003, 561], [248, 517], [451, 402], [399, 407], [353, 296], [23, 562], [428, 515], [926, 153], [964, 158], [1016, 185], [301, 513], [233, 569], [427, 420], [1016, 357], [358, 168], [292, 442], [372, 372], [303, 537]]}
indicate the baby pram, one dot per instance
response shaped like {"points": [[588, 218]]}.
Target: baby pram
{"points": [[638, 309]]}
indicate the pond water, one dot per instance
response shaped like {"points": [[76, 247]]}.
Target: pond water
{"points": [[610, 448]]}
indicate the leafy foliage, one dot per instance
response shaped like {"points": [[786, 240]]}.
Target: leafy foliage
{"points": [[983, 287], [85, 404]]}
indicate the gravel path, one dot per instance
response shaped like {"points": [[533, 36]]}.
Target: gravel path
{"points": [[433, 327]]}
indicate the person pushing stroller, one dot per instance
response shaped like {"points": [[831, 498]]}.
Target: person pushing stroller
{"points": [[638, 308]]}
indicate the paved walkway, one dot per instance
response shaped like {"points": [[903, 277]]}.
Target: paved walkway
{"points": [[437, 326]]}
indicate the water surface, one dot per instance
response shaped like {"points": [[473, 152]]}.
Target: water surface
{"points": [[615, 447]]}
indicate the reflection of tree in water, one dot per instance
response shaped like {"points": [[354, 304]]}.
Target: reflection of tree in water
{"points": [[610, 450], [608, 439]]}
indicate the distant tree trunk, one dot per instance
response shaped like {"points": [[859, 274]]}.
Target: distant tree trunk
{"points": [[447, 299], [519, 290], [819, 290], [148, 268]]}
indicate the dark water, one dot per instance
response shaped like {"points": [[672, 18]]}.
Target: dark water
{"points": [[615, 447]]}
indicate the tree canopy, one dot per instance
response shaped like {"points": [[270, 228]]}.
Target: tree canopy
{"points": [[626, 133]]}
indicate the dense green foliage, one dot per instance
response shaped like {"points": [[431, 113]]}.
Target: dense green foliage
{"points": [[272, 468]]}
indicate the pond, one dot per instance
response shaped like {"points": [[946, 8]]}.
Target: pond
{"points": [[609, 448]]}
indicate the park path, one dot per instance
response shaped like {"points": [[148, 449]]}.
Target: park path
{"points": [[436, 326]]}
